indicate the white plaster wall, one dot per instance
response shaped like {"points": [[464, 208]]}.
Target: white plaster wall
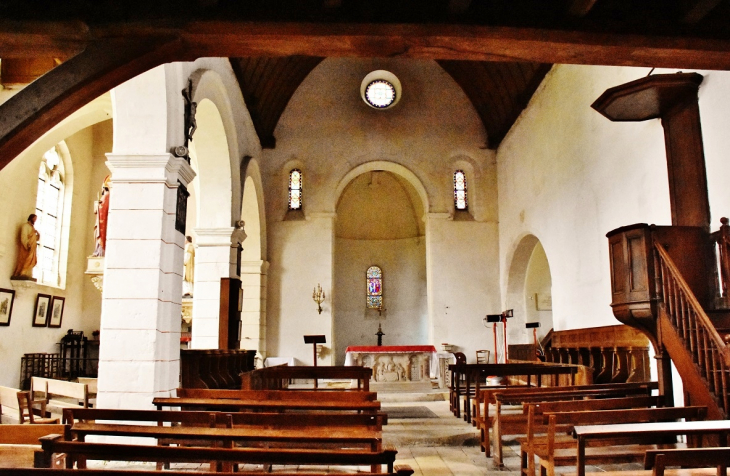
{"points": [[327, 131], [537, 281], [568, 176], [18, 186]]}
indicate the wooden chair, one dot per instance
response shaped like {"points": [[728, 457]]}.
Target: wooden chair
{"points": [[25, 410], [460, 358], [482, 356]]}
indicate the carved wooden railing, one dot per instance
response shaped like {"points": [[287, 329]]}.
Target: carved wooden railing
{"points": [[722, 241], [701, 339]]}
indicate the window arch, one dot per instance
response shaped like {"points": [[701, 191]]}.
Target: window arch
{"points": [[49, 209], [295, 189], [460, 196], [374, 288]]}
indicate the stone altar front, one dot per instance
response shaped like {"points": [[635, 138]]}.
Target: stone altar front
{"points": [[396, 363]]}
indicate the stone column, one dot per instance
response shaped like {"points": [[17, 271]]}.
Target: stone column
{"points": [[139, 356], [253, 317], [212, 262]]}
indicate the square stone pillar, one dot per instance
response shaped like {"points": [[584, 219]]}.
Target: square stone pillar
{"points": [[139, 357], [215, 258], [253, 317]]}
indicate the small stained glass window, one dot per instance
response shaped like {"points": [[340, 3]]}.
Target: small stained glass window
{"points": [[460, 201], [374, 277], [295, 189]]}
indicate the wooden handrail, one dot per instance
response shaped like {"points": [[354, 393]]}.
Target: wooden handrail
{"points": [[709, 351]]}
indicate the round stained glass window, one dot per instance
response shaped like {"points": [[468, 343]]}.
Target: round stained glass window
{"points": [[380, 89], [380, 93]]}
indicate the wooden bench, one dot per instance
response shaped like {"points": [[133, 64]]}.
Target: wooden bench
{"points": [[18, 443], [55, 444], [535, 425], [486, 396], [688, 458], [226, 404], [472, 374], [340, 396], [554, 452], [9, 411], [398, 470], [276, 378], [516, 424], [60, 394], [590, 433]]}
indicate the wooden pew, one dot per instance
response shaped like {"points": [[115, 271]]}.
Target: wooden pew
{"points": [[214, 368], [18, 443], [485, 397], [516, 424], [688, 458], [473, 374], [226, 404], [534, 426], [54, 444], [60, 394], [590, 433], [340, 395], [273, 378], [9, 411], [398, 470]]}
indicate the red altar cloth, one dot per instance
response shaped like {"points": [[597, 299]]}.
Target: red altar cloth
{"points": [[391, 348]]}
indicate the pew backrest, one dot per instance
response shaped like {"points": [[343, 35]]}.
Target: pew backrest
{"points": [[314, 395], [9, 403], [61, 393], [687, 458], [28, 434]]}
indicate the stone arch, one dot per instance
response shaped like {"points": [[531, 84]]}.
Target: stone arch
{"points": [[396, 245], [254, 264], [376, 165], [527, 259], [215, 147]]}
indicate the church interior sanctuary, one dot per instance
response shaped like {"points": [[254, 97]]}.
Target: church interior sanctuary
{"points": [[451, 237]]}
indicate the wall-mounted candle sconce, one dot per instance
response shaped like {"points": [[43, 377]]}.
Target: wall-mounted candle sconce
{"points": [[318, 297]]}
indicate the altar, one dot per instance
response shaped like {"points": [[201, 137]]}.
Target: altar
{"points": [[396, 363]]}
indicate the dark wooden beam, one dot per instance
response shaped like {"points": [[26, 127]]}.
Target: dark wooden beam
{"points": [[580, 8], [46, 101], [698, 9], [448, 42]]}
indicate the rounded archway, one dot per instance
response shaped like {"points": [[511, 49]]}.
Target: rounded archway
{"points": [[380, 223], [529, 290]]}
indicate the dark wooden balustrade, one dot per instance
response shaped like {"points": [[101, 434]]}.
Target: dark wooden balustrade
{"points": [[708, 349], [214, 368]]}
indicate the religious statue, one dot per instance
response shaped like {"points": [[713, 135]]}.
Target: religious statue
{"points": [[101, 209], [27, 250], [189, 267]]}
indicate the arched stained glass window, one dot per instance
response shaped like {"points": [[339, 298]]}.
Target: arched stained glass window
{"points": [[375, 288], [460, 201], [295, 189], [49, 209]]}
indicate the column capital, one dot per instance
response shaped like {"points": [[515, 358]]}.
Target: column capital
{"points": [[254, 267], [214, 236], [149, 168]]}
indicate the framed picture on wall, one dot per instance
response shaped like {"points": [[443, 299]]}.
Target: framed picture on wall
{"points": [[7, 296], [42, 310], [56, 311]]}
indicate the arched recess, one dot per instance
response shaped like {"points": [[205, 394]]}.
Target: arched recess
{"points": [[380, 222], [216, 189], [254, 265], [529, 290]]}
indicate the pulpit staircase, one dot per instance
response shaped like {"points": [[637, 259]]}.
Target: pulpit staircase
{"points": [[688, 303]]}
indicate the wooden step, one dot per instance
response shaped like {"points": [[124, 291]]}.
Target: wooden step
{"points": [[648, 472]]}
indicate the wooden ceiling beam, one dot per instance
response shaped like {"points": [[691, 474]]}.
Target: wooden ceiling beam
{"points": [[447, 42], [698, 9], [580, 8]]}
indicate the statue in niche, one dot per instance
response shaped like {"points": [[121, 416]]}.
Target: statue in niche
{"points": [[101, 209], [189, 267], [27, 250]]}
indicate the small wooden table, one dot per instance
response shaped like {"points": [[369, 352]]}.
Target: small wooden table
{"points": [[596, 432]]}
